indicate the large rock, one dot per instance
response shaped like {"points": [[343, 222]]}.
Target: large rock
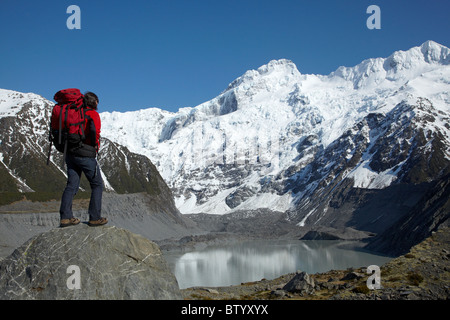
{"points": [[109, 262], [300, 283], [329, 233], [139, 213]]}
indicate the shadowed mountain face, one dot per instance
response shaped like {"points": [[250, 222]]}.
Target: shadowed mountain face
{"points": [[375, 172]]}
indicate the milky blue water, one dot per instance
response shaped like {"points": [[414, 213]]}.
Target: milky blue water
{"points": [[253, 260]]}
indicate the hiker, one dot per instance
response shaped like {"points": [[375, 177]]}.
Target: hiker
{"points": [[82, 158]]}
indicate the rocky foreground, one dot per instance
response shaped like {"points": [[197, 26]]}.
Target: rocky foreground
{"points": [[423, 273], [115, 264], [87, 263]]}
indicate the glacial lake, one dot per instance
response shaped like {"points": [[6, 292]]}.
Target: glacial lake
{"points": [[246, 261]]}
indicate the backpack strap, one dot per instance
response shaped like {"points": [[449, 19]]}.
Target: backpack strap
{"points": [[61, 114], [83, 122]]}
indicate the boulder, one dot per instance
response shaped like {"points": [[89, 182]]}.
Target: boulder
{"points": [[87, 263], [329, 233], [352, 276], [300, 283], [320, 235]]}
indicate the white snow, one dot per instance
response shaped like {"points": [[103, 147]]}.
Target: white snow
{"points": [[364, 177], [11, 102]]}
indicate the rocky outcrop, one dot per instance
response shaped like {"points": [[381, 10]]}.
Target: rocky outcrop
{"points": [[327, 233], [301, 282], [260, 223], [87, 263], [375, 173]]}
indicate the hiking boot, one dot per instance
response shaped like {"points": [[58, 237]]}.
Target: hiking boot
{"points": [[69, 222], [99, 222]]}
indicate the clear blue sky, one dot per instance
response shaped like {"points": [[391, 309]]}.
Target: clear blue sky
{"points": [[171, 53]]}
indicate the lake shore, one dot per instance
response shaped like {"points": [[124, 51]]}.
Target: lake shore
{"points": [[235, 262], [421, 274]]}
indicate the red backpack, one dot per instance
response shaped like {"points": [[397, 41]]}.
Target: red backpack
{"points": [[67, 124]]}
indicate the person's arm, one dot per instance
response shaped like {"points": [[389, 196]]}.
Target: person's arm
{"points": [[94, 128]]}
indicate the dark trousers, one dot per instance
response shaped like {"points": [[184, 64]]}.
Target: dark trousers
{"points": [[75, 166]]}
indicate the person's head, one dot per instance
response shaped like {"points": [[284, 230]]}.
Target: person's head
{"points": [[91, 100]]}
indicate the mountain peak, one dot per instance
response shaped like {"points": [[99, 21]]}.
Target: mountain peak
{"points": [[281, 64], [435, 52], [11, 102], [429, 52], [401, 65], [281, 68]]}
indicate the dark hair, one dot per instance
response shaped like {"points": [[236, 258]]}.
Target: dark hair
{"points": [[90, 100]]}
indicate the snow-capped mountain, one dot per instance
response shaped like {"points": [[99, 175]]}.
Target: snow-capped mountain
{"points": [[286, 141]]}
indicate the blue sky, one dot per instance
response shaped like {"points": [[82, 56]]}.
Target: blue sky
{"points": [[171, 53]]}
